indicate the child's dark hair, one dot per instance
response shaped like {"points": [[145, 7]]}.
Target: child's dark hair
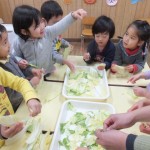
{"points": [[143, 30], [2, 29], [103, 24], [50, 9], [143, 33], [23, 17]]}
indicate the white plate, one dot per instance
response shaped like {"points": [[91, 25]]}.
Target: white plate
{"points": [[80, 106], [96, 98]]}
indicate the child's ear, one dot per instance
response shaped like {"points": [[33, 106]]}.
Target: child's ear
{"points": [[140, 43], [45, 22], [24, 32]]}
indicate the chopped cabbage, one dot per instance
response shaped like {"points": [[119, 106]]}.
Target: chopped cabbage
{"points": [[79, 130]]}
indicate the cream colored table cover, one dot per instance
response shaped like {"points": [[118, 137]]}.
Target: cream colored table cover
{"points": [[52, 100], [59, 74]]}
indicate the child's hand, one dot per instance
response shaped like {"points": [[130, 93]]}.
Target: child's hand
{"points": [[136, 77], [71, 47], [34, 107], [113, 68], [129, 68], [37, 72], [70, 65], [79, 14], [35, 81], [86, 56], [23, 64], [8, 132]]}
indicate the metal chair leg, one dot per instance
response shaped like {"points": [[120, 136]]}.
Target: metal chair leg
{"points": [[82, 43]]}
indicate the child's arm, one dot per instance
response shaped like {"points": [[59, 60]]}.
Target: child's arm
{"points": [[118, 53], [23, 86], [70, 65], [61, 26]]}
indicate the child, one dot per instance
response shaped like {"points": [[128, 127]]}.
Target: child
{"points": [[101, 49], [9, 63], [131, 51], [35, 40], [52, 13], [21, 85]]}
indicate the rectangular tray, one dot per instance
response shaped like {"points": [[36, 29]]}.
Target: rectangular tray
{"points": [[96, 98], [80, 106]]}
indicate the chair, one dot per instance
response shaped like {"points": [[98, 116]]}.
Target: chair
{"points": [[86, 26]]}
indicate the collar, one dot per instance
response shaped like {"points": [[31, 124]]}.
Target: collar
{"points": [[6, 60], [132, 52]]}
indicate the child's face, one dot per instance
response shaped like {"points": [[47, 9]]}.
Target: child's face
{"points": [[102, 39], [37, 31], [4, 45], [130, 38], [54, 20]]}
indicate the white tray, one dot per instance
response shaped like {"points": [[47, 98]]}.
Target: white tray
{"points": [[80, 106], [96, 98]]}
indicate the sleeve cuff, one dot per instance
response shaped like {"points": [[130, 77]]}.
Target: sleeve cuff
{"points": [[130, 142], [135, 69]]}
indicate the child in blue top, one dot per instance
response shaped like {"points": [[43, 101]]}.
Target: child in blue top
{"points": [[52, 13], [101, 49], [34, 42], [131, 51]]}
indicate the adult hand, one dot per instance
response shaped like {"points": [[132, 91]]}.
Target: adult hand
{"points": [[34, 107], [112, 139], [134, 78], [119, 121]]}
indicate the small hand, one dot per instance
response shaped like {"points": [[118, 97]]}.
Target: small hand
{"points": [[34, 107], [35, 81], [23, 64], [86, 56], [37, 72], [79, 14], [113, 68], [145, 127], [129, 68], [9, 132]]}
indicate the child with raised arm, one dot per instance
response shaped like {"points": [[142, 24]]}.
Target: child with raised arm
{"points": [[35, 41], [131, 51], [52, 12], [9, 63], [101, 49], [21, 85]]}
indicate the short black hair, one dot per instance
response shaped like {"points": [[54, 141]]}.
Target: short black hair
{"points": [[143, 29], [23, 17], [2, 29], [104, 24], [50, 9]]}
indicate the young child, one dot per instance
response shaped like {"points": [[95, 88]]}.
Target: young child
{"points": [[131, 51], [21, 85], [52, 12], [34, 42], [101, 49], [9, 63]]}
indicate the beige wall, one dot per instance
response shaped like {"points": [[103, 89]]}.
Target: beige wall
{"points": [[122, 14]]}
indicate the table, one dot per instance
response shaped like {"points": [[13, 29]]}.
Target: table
{"points": [[52, 100], [51, 104], [59, 74]]}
